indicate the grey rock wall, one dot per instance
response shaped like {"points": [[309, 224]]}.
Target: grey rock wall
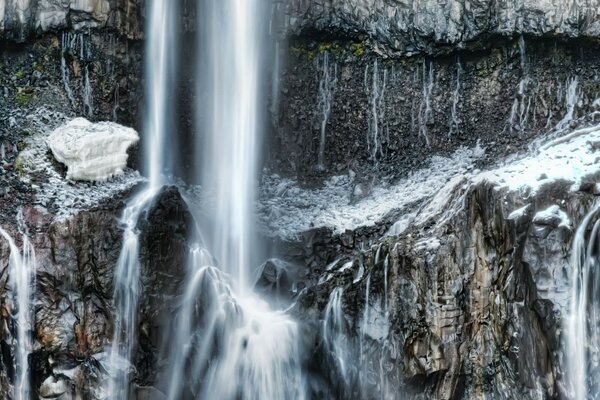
{"points": [[424, 25]]}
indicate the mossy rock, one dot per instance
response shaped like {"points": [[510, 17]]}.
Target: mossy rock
{"points": [[23, 99]]}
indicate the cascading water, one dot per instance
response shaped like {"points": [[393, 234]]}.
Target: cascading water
{"points": [[583, 322], [425, 111], [160, 70], [231, 344], [454, 120], [327, 84], [22, 267]]}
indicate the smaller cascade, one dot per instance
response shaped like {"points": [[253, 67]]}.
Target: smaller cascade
{"points": [[363, 333], [572, 95], [335, 335], [116, 106], [583, 321], [88, 97], [22, 266], [219, 335], [519, 112], [425, 117], [376, 89], [454, 120], [327, 84], [64, 67]]}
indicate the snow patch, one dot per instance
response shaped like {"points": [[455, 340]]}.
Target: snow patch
{"points": [[285, 210], [61, 196], [92, 151]]}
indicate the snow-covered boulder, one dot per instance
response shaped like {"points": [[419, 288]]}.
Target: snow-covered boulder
{"points": [[92, 151]]}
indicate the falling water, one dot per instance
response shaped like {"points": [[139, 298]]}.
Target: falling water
{"points": [[425, 111], [22, 276], [88, 97], [327, 84], [571, 98], [377, 109], [335, 335], [454, 121], [583, 322], [160, 53], [64, 68], [232, 344], [519, 112]]}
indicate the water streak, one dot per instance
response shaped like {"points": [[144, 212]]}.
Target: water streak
{"points": [[454, 120], [425, 111], [376, 91], [519, 113], [327, 84], [22, 266], [572, 95], [160, 71], [583, 321]]}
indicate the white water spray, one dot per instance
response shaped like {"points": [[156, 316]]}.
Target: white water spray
{"points": [[376, 92]]}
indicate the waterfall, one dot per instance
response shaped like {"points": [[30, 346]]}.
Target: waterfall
{"points": [[519, 112], [64, 68], [88, 97], [160, 71], [454, 120], [571, 98], [376, 108], [231, 343], [583, 321], [335, 335], [22, 267], [425, 111], [327, 84]]}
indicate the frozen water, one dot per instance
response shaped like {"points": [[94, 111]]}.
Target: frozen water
{"points": [[92, 151]]}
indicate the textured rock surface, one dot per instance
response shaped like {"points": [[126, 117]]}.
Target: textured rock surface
{"points": [[392, 113], [75, 270], [430, 25], [21, 18]]}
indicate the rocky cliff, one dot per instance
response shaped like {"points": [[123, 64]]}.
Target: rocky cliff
{"points": [[424, 259]]}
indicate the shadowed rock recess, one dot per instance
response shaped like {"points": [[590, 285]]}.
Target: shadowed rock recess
{"points": [[426, 167]]}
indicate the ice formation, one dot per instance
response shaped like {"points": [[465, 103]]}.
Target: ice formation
{"points": [[92, 151]]}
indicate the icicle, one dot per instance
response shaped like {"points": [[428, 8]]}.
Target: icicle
{"points": [[327, 84], [454, 120]]}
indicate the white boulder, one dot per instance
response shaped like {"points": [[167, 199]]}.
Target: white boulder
{"points": [[92, 151]]}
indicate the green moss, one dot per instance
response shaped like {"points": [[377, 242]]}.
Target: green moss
{"points": [[19, 165], [20, 74], [23, 99], [38, 67], [358, 49]]}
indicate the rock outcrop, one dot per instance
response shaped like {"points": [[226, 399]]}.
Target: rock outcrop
{"points": [[431, 26], [19, 19]]}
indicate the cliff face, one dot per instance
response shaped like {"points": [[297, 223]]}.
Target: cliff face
{"points": [[21, 18], [432, 26], [443, 293]]}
